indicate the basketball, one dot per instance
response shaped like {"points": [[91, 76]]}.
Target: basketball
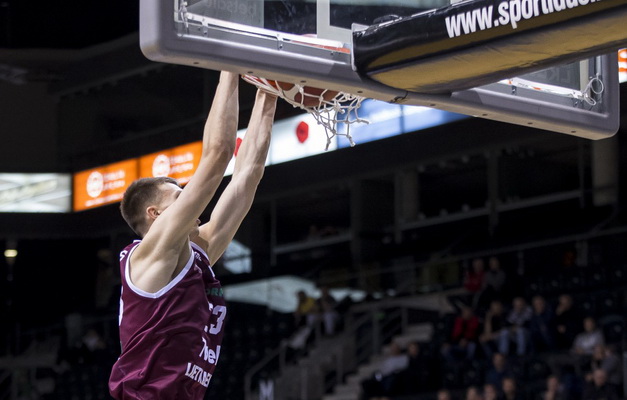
{"points": [[307, 96]]}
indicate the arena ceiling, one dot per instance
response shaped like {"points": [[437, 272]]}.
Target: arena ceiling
{"points": [[57, 24]]}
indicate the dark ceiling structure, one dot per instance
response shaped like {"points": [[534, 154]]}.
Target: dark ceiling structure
{"points": [[65, 24]]}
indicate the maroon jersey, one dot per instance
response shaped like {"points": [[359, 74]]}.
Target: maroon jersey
{"points": [[170, 339]]}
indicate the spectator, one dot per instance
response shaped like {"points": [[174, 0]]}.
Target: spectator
{"points": [[569, 260], [473, 393], [571, 381], [541, 325], [554, 389], [463, 338], [605, 358], [498, 370], [490, 392], [598, 388], [385, 381], [586, 341], [517, 329], [473, 280], [510, 390], [494, 321], [567, 322], [493, 284], [327, 306], [420, 373], [444, 394], [612, 366], [305, 317], [305, 313], [94, 350]]}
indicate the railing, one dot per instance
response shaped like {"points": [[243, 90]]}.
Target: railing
{"points": [[368, 327]]}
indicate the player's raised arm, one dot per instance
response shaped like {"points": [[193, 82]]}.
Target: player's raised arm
{"points": [[218, 146], [237, 198], [171, 220]]}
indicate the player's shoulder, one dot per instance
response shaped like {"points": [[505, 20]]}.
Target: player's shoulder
{"points": [[128, 248]]}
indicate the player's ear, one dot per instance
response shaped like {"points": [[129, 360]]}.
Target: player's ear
{"points": [[152, 212]]}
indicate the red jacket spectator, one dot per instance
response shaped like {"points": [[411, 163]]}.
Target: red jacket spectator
{"points": [[466, 326], [473, 280]]}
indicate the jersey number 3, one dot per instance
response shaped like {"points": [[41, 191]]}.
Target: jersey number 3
{"points": [[220, 311]]}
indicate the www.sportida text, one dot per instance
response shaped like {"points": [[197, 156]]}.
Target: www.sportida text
{"points": [[509, 12]]}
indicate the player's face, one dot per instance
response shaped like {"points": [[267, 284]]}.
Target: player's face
{"points": [[171, 192]]}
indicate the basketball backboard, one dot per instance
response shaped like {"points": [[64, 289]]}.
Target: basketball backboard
{"points": [[414, 52]]}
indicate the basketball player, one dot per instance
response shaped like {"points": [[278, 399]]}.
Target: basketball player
{"points": [[172, 309]]}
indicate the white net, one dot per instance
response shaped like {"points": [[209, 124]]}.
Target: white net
{"points": [[329, 108]]}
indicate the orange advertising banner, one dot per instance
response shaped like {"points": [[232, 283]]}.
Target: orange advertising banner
{"points": [[178, 162], [622, 65], [103, 185]]}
